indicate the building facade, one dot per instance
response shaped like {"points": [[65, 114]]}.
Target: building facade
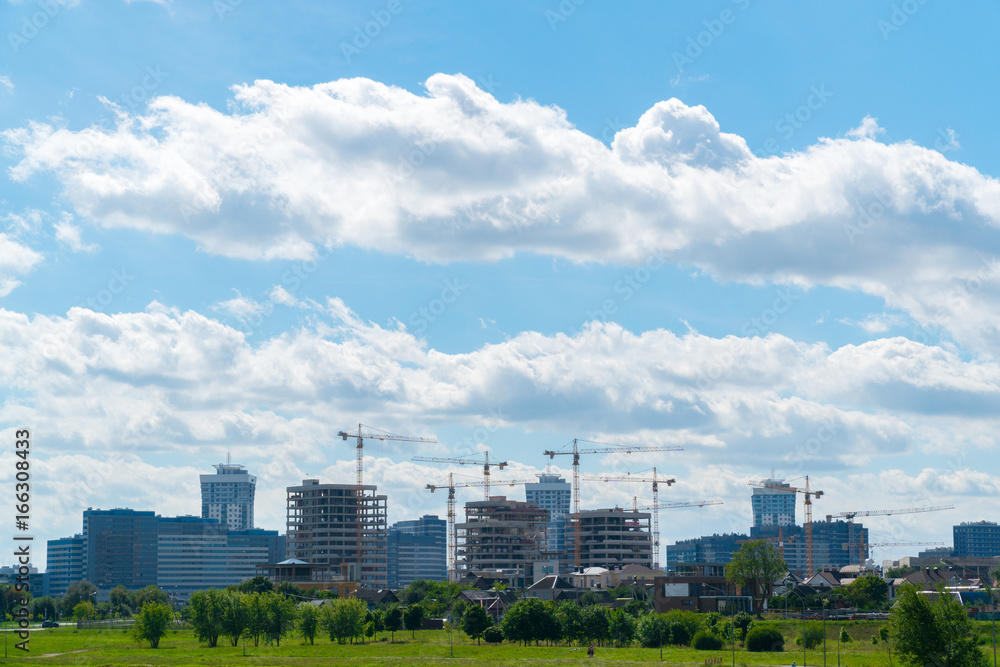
{"points": [[417, 549], [123, 547], [773, 506], [978, 539], [613, 538], [228, 496], [64, 564], [552, 493], [325, 522], [120, 548], [501, 534]]}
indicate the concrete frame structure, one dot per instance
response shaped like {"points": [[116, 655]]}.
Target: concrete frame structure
{"points": [[322, 524], [501, 534], [613, 538]]}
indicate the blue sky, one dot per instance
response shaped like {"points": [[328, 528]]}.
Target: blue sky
{"points": [[767, 234]]}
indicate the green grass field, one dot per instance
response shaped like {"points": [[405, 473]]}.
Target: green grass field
{"points": [[68, 646]]}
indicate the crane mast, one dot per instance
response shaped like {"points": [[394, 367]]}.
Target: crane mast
{"points": [[576, 452], [359, 494]]}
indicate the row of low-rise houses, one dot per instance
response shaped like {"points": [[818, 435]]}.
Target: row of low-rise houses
{"points": [[337, 535]]}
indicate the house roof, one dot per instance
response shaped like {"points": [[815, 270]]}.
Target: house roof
{"points": [[550, 582]]}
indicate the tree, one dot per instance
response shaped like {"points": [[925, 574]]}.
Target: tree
{"points": [[76, 593], [279, 616], [150, 594], [259, 584], [393, 620], [475, 622], [84, 610], [235, 616], [413, 618], [742, 622], [207, 608], [151, 623], [43, 607], [995, 576], [344, 619], [937, 632], [899, 572], [121, 601], [256, 616], [570, 617], [621, 627], [755, 566], [595, 624], [868, 592], [653, 630], [308, 622]]}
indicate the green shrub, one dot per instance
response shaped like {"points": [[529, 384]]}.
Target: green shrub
{"points": [[813, 634], [844, 637], [679, 634], [493, 635], [762, 640], [706, 641], [742, 621]]}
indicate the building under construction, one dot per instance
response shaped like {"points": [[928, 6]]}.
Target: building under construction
{"points": [[324, 523], [613, 538], [501, 534]]}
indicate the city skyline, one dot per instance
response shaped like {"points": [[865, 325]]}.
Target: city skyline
{"points": [[765, 235]]}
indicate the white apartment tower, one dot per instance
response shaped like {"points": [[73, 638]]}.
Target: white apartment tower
{"points": [[228, 496]]}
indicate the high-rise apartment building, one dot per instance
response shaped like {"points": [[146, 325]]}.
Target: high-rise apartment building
{"points": [[552, 493], [418, 549], [324, 523], [228, 496], [772, 506], [64, 564], [977, 539]]}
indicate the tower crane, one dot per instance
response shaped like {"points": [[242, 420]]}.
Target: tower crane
{"points": [[604, 449], [656, 507], [772, 484], [360, 448], [452, 530], [656, 503], [859, 543], [463, 461]]}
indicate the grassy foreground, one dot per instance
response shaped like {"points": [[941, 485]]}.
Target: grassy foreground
{"points": [[68, 646]]}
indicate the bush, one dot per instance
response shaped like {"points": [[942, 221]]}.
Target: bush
{"points": [[493, 635], [706, 641], [763, 640], [742, 621], [652, 629], [844, 637], [813, 635], [679, 634]]}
